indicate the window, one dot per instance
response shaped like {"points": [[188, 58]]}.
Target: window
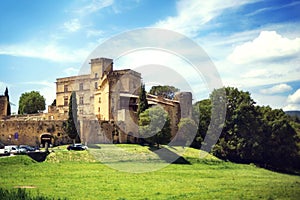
{"points": [[99, 100], [65, 88], [80, 100], [96, 75], [96, 85], [98, 109], [66, 100], [80, 86], [81, 112]]}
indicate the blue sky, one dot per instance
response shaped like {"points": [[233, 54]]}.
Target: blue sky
{"points": [[255, 45]]}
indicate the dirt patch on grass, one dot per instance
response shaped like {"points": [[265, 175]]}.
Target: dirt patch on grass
{"points": [[25, 186]]}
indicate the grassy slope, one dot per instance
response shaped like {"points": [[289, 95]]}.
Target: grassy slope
{"points": [[77, 175]]}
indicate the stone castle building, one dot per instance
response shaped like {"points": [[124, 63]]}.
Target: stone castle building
{"points": [[107, 102], [110, 97]]}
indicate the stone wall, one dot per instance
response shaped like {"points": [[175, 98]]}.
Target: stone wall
{"points": [[16, 132]]}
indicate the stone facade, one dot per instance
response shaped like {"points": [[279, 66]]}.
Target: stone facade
{"points": [[107, 102]]}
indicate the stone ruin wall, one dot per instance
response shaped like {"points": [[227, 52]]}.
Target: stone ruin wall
{"points": [[29, 132]]}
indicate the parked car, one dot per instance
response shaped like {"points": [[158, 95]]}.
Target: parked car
{"points": [[26, 148], [13, 149], [77, 147], [2, 151]]}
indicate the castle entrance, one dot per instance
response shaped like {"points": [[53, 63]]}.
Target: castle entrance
{"points": [[46, 138]]}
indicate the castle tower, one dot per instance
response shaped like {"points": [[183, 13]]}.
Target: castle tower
{"points": [[185, 101], [3, 105], [100, 66]]}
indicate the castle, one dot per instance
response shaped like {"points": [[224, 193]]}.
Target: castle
{"points": [[107, 102]]}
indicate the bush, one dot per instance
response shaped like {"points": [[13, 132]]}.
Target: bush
{"points": [[20, 194]]}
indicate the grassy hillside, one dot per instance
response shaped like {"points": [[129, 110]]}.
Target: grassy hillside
{"points": [[79, 175]]}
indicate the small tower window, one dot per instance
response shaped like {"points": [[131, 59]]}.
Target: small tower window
{"points": [[65, 100], [81, 100], [65, 88], [80, 86], [96, 85]]}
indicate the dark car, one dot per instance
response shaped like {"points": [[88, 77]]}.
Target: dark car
{"points": [[26, 148], [77, 147]]}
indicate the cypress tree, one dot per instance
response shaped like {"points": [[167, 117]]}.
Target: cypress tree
{"points": [[8, 105], [142, 101], [71, 125]]}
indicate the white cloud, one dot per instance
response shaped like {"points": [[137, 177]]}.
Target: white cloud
{"points": [[273, 100], [2, 87], [71, 71], [94, 33], [94, 6], [291, 107], [280, 88], [267, 46], [273, 8], [293, 101], [192, 14], [72, 25], [294, 98], [256, 73], [51, 51]]}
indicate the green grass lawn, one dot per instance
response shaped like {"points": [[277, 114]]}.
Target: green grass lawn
{"points": [[78, 175]]}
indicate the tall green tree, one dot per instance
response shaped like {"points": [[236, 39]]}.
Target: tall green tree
{"points": [[8, 106], [142, 100], [31, 102], [72, 126], [165, 91], [187, 129], [154, 126], [201, 116]]}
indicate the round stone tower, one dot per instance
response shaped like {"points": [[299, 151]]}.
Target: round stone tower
{"points": [[185, 100]]}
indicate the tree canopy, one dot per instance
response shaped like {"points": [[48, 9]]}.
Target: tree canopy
{"points": [[186, 131], [31, 102], [154, 126], [251, 133], [165, 91]]}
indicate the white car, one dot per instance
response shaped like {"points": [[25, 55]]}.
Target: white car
{"points": [[1, 151], [11, 149]]}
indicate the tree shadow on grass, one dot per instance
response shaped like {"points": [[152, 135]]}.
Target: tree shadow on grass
{"points": [[94, 146], [169, 156]]}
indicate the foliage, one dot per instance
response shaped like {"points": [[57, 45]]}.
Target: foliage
{"points": [[31, 102], [279, 139], [187, 129], [89, 180], [53, 103], [202, 115], [154, 125], [8, 106], [165, 91], [71, 126], [142, 100], [251, 133]]}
